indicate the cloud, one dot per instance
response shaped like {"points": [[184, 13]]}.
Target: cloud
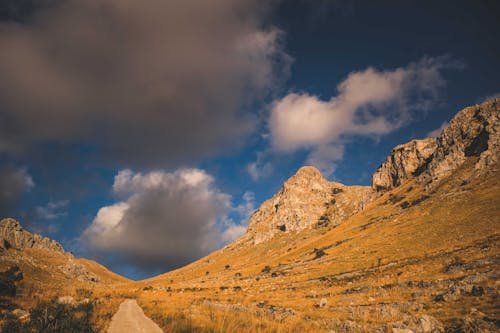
{"points": [[435, 133], [324, 157], [371, 102], [244, 211], [52, 210], [164, 219], [259, 168], [14, 182], [143, 82]]}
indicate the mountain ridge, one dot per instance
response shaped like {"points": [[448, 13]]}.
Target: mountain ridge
{"points": [[308, 200]]}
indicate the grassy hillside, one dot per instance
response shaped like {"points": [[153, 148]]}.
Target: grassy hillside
{"points": [[49, 275], [415, 251], [411, 252]]}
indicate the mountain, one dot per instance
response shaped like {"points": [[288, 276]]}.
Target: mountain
{"points": [[19, 247], [473, 132], [306, 200], [35, 269], [417, 251], [12, 235]]}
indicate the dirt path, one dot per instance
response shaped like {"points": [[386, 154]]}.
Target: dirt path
{"points": [[131, 319]]}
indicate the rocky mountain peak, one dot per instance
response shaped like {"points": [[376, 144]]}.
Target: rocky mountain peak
{"points": [[12, 235], [306, 179], [473, 132], [302, 204], [10, 224], [307, 172]]}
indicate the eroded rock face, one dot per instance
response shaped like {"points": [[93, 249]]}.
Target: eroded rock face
{"points": [[404, 162], [12, 235], [76, 270], [306, 200], [473, 132]]}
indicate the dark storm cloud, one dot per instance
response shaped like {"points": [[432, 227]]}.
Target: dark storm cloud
{"points": [[145, 82], [13, 183]]}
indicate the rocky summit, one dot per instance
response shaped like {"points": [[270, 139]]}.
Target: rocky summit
{"points": [[12, 235], [473, 132], [304, 202]]}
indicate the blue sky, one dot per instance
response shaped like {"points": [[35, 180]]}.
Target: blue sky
{"points": [[144, 134]]}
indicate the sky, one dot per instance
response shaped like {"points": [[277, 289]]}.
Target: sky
{"points": [[143, 134]]}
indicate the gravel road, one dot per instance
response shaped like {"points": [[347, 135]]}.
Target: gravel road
{"points": [[131, 319]]}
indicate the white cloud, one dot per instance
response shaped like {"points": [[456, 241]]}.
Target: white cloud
{"points": [[260, 168], [435, 133], [166, 219], [233, 231], [368, 103], [246, 208], [324, 157]]}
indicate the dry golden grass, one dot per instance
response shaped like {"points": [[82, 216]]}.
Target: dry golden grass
{"points": [[44, 280], [382, 247]]}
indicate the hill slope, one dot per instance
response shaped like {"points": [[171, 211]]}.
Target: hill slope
{"points": [[43, 270], [418, 248]]}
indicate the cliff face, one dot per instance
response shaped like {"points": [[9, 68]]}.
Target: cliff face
{"points": [[404, 162], [306, 200], [12, 235], [473, 132]]}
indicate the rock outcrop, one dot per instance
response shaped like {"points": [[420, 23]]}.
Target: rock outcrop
{"points": [[78, 271], [306, 200], [404, 162], [473, 132], [12, 235]]}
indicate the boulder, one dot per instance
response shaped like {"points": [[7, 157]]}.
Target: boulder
{"points": [[418, 324]]}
